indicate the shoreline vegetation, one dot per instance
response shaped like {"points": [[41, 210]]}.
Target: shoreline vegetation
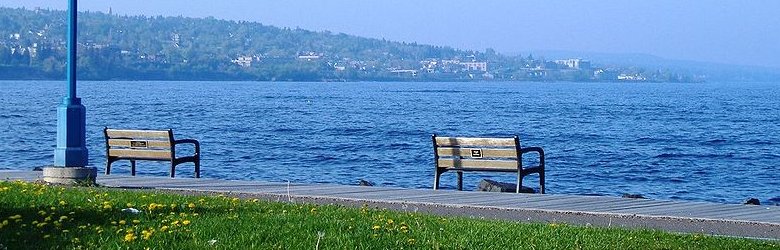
{"points": [[114, 47], [40, 216]]}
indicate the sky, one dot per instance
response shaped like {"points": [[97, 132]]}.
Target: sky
{"points": [[728, 31]]}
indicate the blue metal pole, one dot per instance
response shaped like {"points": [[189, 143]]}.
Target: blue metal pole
{"points": [[71, 148]]}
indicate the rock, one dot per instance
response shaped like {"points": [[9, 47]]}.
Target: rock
{"points": [[633, 196], [752, 201], [487, 185], [775, 201], [366, 183]]}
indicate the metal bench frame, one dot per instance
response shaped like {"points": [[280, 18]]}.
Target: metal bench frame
{"points": [[149, 145], [464, 154]]}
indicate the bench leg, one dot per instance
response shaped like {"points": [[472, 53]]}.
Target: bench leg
{"points": [[197, 168], [132, 167], [541, 181], [460, 181], [436, 175], [173, 169], [108, 167], [519, 182]]}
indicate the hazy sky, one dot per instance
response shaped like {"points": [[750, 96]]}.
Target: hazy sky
{"points": [[729, 31]]}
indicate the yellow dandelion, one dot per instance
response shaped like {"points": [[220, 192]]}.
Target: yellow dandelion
{"points": [[122, 222], [313, 210], [130, 237], [174, 223], [376, 227], [164, 228], [191, 205], [106, 206], [410, 241], [63, 203], [390, 221], [255, 200], [129, 204], [136, 221]]}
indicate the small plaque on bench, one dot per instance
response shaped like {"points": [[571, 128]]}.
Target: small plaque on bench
{"points": [[476, 153], [139, 144]]}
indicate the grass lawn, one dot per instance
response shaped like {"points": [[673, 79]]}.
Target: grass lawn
{"points": [[36, 216]]}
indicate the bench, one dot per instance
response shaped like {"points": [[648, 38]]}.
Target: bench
{"points": [[151, 145], [464, 154]]}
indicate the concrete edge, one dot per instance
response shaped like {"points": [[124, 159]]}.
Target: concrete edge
{"points": [[713, 227]]}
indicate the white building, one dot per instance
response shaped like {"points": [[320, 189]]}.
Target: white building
{"points": [[474, 66]]}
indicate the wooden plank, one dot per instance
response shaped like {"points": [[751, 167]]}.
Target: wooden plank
{"points": [[142, 154], [149, 143], [482, 152], [114, 133], [475, 142], [478, 164]]}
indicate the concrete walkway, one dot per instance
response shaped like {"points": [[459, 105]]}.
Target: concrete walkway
{"points": [[602, 211]]}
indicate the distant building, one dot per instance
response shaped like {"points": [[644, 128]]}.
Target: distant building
{"points": [[403, 72], [474, 66], [245, 61], [310, 56], [631, 77], [576, 63]]}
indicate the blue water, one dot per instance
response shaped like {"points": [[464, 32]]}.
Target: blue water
{"points": [[713, 142]]}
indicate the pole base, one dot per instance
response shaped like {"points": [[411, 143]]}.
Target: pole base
{"points": [[74, 176]]}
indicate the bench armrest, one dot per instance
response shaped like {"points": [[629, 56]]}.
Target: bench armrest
{"points": [[535, 149], [192, 141]]}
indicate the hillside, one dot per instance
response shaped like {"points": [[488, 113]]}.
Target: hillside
{"points": [[112, 47]]}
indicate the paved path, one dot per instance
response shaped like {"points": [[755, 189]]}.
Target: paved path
{"points": [[676, 216]]}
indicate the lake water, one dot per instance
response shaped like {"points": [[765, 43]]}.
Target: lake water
{"points": [[713, 142]]}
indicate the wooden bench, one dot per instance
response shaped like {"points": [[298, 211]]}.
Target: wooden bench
{"points": [[463, 154], [151, 145]]}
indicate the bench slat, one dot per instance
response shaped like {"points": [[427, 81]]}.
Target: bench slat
{"points": [[485, 152], [483, 164], [150, 143], [138, 153], [114, 133], [474, 142]]}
